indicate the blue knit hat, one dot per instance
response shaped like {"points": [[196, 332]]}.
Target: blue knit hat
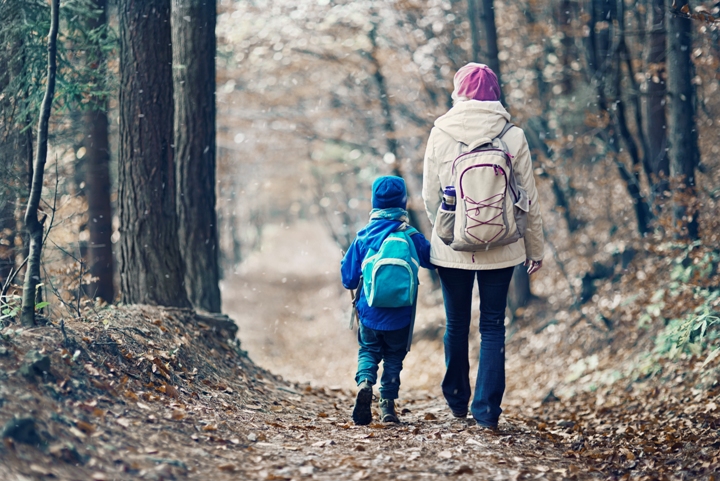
{"points": [[389, 191]]}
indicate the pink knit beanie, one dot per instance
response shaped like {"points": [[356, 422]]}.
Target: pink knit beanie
{"points": [[476, 81]]}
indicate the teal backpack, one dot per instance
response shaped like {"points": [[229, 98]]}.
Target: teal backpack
{"points": [[390, 274]]}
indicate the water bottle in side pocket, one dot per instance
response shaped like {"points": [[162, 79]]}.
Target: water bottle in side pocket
{"points": [[445, 219]]}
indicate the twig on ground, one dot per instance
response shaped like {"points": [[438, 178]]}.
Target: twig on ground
{"points": [[65, 337], [11, 278]]}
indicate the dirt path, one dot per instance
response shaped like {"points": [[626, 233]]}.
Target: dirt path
{"points": [[316, 441], [293, 313]]}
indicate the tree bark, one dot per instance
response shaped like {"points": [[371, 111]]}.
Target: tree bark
{"points": [[193, 38], [32, 223], [151, 267], [683, 153], [97, 180], [488, 17], [657, 164], [483, 30]]}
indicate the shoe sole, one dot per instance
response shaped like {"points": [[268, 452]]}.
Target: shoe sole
{"points": [[362, 413], [459, 415], [389, 418]]}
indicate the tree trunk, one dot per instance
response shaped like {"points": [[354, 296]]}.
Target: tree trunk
{"points": [[388, 124], [8, 187], [657, 164], [15, 150], [492, 60], [566, 12], [32, 223], [151, 267], [97, 180], [193, 36], [15, 145], [684, 153], [481, 15], [473, 15], [602, 48]]}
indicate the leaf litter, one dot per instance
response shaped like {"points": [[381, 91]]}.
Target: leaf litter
{"points": [[224, 417]]}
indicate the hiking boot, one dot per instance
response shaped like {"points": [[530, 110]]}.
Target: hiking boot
{"points": [[459, 414], [387, 411], [362, 415], [489, 428]]}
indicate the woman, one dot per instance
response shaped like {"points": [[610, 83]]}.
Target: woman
{"points": [[476, 116]]}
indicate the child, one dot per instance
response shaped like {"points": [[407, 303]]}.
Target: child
{"points": [[383, 332]]}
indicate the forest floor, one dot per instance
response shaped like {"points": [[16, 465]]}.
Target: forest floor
{"points": [[151, 393]]}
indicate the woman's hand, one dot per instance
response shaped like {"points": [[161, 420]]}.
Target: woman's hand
{"points": [[533, 266]]}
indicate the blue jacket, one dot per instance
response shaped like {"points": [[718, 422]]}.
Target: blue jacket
{"points": [[371, 236]]}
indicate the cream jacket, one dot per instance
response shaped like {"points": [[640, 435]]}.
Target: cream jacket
{"points": [[465, 126]]}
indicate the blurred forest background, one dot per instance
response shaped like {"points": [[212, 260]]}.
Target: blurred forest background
{"points": [[619, 99]]}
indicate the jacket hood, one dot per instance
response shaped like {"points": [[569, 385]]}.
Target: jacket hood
{"points": [[373, 234], [474, 122]]}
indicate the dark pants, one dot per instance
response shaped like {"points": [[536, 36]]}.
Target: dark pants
{"points": [[390, 347], [457, 286]]}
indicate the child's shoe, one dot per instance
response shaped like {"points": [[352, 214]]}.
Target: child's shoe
{"points": [[362, 414], [387, 411]]}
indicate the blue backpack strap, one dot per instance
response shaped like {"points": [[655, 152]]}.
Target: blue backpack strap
{"points": [[409, 230]]}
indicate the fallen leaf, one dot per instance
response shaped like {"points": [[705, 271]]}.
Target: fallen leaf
{"points": [[177, 415], [445, 454], [77, 432], [463, 469], [227, 467], [326, 442], [429, 417], [86, 428], [40, 470], [210, 427], [131, 395]]}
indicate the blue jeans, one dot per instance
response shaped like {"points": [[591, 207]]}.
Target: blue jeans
{"points": [[457, 287], [390, 347]]}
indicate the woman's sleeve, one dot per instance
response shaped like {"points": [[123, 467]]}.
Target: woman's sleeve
{"points": [[432, 190], [534, 239]]}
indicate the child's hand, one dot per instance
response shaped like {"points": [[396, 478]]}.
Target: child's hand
{"points": [[533, 266]]}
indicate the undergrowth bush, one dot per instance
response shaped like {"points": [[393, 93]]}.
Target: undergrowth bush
{"points": [[689, 306]]}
